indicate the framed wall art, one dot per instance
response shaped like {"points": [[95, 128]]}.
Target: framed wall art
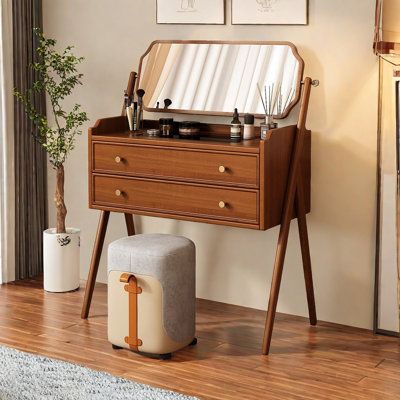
{"points": [[270, 12], [191, 12]]}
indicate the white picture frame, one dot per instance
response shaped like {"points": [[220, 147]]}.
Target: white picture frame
{"points": [[269, 12], [208, 12]]}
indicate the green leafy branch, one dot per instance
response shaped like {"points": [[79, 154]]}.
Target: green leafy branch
{"points": [[57, 75]]}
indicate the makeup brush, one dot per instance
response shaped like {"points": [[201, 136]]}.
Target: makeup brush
{"points": [[140, 94], [127, 108], [126, 99], [167, 103], [134, 108], [129, 114], [134, 77]]}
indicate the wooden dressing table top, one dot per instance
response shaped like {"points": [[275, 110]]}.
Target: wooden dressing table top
{"points": [[204, 143], [211, 180]]}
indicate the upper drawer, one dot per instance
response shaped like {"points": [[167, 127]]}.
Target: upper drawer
{"points": [[169, 163]]}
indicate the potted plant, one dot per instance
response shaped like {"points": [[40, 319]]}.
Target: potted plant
{"points": [[57, 76]]}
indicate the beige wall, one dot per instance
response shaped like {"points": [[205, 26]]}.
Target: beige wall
{"points": [[235, 265]]}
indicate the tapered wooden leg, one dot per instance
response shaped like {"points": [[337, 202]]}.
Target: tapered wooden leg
{"points": [[275, 285], [305, 250], [130, 224], [280, 260], [94, 264]]}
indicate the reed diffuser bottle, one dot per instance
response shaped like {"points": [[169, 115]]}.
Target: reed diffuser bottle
{"points": [[267, 126], [269, 103], [274, 103]]}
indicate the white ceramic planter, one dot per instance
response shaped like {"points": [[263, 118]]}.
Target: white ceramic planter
{"points": [[61, 260]]}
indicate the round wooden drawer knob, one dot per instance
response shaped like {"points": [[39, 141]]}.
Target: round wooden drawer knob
{"points": [[222, 204], [118, 159], [118, 192], [221, 169]]}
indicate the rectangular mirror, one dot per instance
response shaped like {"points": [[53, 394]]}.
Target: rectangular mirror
{"points": [[214, 78]]}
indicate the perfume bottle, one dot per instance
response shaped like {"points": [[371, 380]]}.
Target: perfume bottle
{"points": [[236, 127]]}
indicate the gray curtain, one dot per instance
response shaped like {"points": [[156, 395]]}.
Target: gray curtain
{"points": [[30, 158]]}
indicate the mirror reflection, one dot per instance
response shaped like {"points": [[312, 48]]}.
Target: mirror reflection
{"points": [[215, 78]]}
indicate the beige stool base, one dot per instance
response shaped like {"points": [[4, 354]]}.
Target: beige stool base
{"points": [[150, 328]]}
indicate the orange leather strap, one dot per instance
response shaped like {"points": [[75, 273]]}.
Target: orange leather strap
{"points": [[133, 290]]}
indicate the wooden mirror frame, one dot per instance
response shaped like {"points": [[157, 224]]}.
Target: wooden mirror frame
{"points": [[285, 114]]}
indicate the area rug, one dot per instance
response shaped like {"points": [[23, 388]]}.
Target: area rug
{"points": [[26, 376]]}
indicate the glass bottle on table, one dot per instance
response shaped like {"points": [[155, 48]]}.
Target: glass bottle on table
{"points": [[266, 126], [236, 127]]}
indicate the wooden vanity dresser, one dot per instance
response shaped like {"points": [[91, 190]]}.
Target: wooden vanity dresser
{"points": [[253, 184], [211, 180]]}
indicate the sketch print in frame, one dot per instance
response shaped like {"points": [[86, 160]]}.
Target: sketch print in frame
{"points": [[270, 12], [191, 12]]}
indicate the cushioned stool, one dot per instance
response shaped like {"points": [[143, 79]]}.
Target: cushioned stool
{"points": [[151, 293]]}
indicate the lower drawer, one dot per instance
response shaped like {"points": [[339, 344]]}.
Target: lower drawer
{"points": [[176, 198]]}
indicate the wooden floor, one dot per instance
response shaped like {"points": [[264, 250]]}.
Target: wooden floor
{"points": [[323, 362]]}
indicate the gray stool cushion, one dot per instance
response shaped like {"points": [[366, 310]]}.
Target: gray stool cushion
{"points": [[172, 260]]}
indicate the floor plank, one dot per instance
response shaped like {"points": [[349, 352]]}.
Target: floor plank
{"points": [[324, 362]]}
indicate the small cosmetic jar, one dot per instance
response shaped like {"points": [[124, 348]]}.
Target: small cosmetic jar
{"points": [[248, 129], [189, 129], [153, 132], [166, 127]]}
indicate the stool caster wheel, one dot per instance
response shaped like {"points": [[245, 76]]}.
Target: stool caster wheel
{"points": [[166, 356], [116, 347], [194, 342]]}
